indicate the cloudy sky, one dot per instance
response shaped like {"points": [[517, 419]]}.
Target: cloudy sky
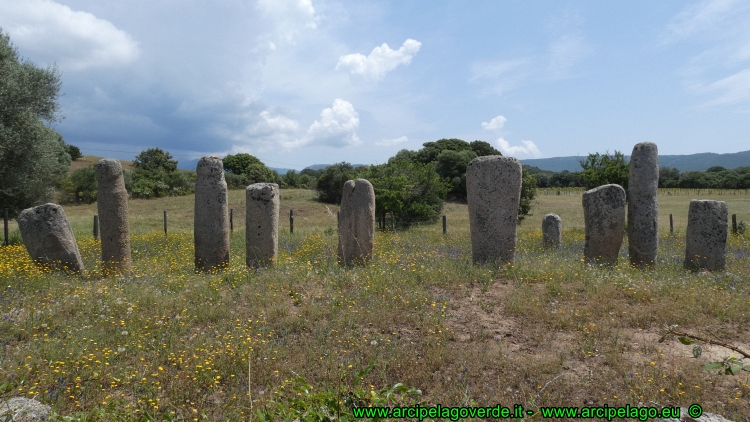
{"points": [[301, 82]]}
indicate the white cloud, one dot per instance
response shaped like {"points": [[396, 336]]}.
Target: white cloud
{"points": [[380, 61], [697, 18], [565, 52], [529, 149], [494, 124], [721, 70], [336, 127], [391, 142], [289, 17], [272, 124], [76, 40], [500, 77]]}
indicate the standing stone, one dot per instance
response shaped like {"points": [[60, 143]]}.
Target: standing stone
{"points": [[706, 237], [112, 203], [551, 231], [357, 223], [261, 224], [211, 224], [604, 218], [48, 237], [21, 409], [643, 208], [493, 187]]}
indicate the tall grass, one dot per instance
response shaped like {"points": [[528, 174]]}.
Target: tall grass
{"points": [[296, 340]]}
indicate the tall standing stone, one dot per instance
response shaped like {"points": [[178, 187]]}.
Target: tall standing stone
{"points": [[706, 237], [211, 224], [112, 204], [493, 187], [261, 224], [551, 231], [48, 237], [604, 218], [357, 223], [643, 208]]}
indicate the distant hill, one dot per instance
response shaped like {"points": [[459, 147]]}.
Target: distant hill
{"points": [[322, 166], [90, 160], [696, 162]]}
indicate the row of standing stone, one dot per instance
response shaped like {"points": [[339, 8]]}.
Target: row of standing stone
{"points": [[604, 217], [493, 191]]}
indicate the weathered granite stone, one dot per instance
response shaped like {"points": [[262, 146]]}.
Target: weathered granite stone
{"points": [[706, 236], [261, 224], [112, 204], [21, 409], [551, 231], [493, 187], [643, 208], [604, 218], [211, 224], [357, 223], [48, 237]]}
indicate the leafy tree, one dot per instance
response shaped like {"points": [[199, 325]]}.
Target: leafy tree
{"points": [[528, 193], [669, 177], [32, 155], [72, 150], [155, 175], [249, 168], [482, 148], [413, 191], [80, 186], [603, 169], [451, 166], [330, 184]]}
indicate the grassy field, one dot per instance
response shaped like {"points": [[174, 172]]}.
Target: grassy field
{"points": [[307, 338], [90, 160]]}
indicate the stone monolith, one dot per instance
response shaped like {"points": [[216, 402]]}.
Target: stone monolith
{"points": [[211, 224], [643, 209], [357, 223], [493, 187], [706, 236], [112, 205], [48, 237], [604, 218], [261, 224], [551, 231]]}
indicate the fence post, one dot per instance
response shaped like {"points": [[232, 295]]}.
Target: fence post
{"points": [[445, 225], [96, 227], [734, 225], [291, 221], [231, 218], [5, 226], [671, 225], [393, 223], [165, 222]]}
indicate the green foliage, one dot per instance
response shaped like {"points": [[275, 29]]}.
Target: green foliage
{"points": [[292, 179], [300, 401], [73, 151], [528, 193], [246, 170], [80, 187], [155, 175], [603, 169], [451, 166], [414, 192], [330, 184], [32, 155], [669, 177]]}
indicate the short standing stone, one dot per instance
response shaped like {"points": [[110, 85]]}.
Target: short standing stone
{"points": [[604, 218], [551, 231], [643, 209], [112, 204], [211, 224], [48, 237], [706, 237], [493, 186], [357, 223], [261, 224]]}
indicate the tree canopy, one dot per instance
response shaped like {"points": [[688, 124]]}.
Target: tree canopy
{"points": [[32, 155], [603, 169], [244, 169]]}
